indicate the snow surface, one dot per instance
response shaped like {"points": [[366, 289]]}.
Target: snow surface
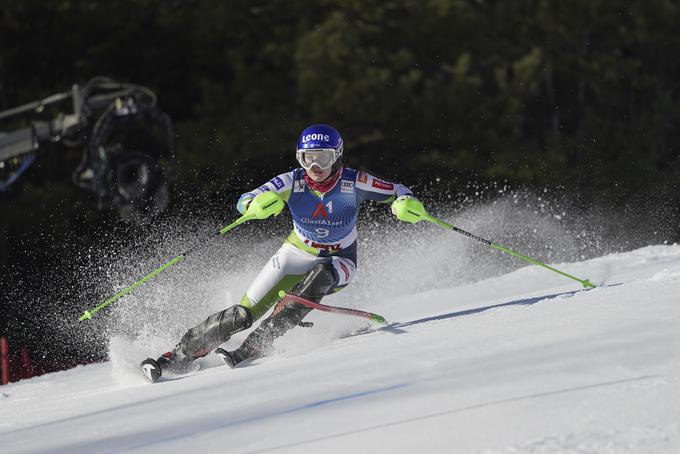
{"points": [[526, 362]]}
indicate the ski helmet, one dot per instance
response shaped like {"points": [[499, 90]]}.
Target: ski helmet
{"points": [[319, 145]]}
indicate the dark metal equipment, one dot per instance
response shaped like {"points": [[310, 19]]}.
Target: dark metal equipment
{"points": [[127, 142]]}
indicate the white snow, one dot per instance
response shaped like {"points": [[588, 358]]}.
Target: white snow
{"points": [[526, 362]]}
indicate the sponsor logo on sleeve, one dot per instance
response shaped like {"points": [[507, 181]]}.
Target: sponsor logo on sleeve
{"points": [[363, 177], [347, 186], [263, 188], [277, 182], [384, 185]]}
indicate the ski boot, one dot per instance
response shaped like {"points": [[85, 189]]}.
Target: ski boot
{"points": [[197, 342], [151, 370], [173, 362]]}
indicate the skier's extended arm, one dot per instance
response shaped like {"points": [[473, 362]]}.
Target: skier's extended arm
{"points": [[370, 187], [403, 201], [281, 184]]}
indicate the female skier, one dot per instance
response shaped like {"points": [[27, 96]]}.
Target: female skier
{"points": [[319, 256]]}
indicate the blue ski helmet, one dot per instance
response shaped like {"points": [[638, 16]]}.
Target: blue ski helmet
{"points": [[319, 144]]}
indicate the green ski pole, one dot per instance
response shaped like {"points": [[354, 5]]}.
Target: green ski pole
{"points": [[412, 210], [262, 206]]}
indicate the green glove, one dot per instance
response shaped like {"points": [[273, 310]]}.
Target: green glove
{"points": [[409, 209], [264, 205]]}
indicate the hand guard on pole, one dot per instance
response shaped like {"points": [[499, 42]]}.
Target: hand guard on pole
{"points": [[264, 205], [409, 209]]}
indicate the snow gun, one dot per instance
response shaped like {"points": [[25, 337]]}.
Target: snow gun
{"points": [[264, 205], [412, 210]]}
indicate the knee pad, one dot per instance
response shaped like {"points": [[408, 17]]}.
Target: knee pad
{"points": [[317, 283], [215, 330]]}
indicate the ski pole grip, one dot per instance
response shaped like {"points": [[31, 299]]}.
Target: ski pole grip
{"points": [[264, 205], [439, 222]]}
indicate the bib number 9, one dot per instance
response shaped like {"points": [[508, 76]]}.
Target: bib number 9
{"points": [[322, 233]]}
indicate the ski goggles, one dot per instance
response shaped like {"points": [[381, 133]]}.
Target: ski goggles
{"points": [[321, 157]]}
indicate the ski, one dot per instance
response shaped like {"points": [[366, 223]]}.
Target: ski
{"points": [[153, 369], [392, 327], [337, 310]]}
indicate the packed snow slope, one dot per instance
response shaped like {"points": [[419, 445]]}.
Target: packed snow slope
{"points": [[524, 362]]}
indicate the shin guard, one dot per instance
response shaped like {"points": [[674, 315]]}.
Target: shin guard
{"points": [[215, 330], [315, 285]]}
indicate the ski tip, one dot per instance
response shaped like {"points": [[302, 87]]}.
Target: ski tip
{"points": [[86, 316], [379, 319], [151, 370]]}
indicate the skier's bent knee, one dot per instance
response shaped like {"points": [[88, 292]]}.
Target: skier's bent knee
{"points": [[317, 283]]}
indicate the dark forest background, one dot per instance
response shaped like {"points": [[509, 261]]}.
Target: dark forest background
{"points": [[579, 95]]}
